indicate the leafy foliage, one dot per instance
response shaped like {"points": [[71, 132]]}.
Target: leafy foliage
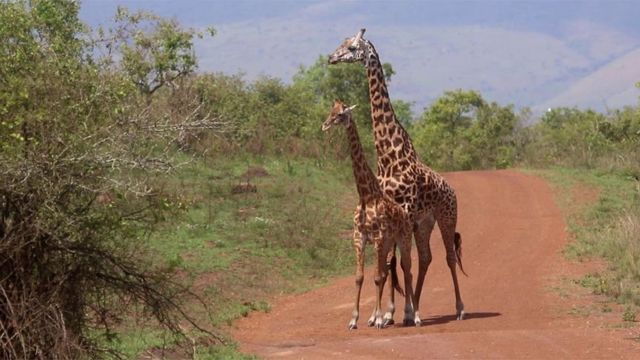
{"points": [[154, 51], [586, 139], [322, 84], [461, 130], [81, 188]]}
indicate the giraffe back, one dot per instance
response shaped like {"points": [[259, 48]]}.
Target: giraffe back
{"points": [[381, 218]]}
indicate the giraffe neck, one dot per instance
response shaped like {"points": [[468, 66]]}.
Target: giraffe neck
{"points": [[392, 141], [366, 181]]}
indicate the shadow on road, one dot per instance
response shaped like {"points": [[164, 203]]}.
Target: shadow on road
{"points": [[443, 319]]}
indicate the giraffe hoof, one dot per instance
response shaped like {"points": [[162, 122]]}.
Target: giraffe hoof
{"points": [[353, 326], [371, 321], [408, 322], [379, 324], [461, 315], [388, 322]]}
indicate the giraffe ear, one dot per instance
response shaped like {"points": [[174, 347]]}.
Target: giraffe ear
{"points": [[350, 107]]}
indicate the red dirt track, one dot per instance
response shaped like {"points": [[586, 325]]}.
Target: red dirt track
{"points": [[517, 299]]}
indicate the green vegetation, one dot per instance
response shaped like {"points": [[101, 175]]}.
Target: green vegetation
{"points": [[237, 250], [78, 196], [138, 195], [462, 131], [629, 314], [606, 226], [289, 226], [585, 139]]}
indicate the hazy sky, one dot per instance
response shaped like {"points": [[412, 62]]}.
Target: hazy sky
{"points": [[529, 53]]}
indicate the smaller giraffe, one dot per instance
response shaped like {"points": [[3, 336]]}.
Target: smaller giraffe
{"points": [[378, 220]]}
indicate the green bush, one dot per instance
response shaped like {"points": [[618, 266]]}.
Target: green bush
{"points": [[461, 131], [83, 160]]}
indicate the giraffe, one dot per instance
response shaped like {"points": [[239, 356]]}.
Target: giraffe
{"points": [[379, 220], [423, 193]]}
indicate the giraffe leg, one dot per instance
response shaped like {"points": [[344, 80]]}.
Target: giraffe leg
{"points": [[382, 249], [448, 230], [422, 234], [411, 315], [372, 318], [358, 245], [388, 316]]}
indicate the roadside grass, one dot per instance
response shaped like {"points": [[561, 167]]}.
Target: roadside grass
{"points": [[238, 250], [608, 227]]}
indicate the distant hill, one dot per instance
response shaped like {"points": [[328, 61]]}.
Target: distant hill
{"points": [[537, 54], [610, 86], [511, 67]]}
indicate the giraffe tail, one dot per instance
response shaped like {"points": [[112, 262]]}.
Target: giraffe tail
{"points": [[457, 243], [395, 283]]}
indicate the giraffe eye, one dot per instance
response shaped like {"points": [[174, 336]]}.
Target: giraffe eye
{"points": [[351, 48]]}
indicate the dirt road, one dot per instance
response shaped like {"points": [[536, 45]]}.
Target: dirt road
{"points": [[518, 300]]}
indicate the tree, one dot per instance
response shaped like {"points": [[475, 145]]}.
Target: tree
{"points": [[323, 84], [460, 130], [491, 137], [439, 133], [403, 112], [573, 135], [82, 160], [154, 51]]}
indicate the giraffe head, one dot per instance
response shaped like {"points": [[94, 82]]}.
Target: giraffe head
{"points": [[340, 114], [353, 49]]}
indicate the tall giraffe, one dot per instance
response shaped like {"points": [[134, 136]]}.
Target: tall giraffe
{"points": [[379, 220], [422, 192]]}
